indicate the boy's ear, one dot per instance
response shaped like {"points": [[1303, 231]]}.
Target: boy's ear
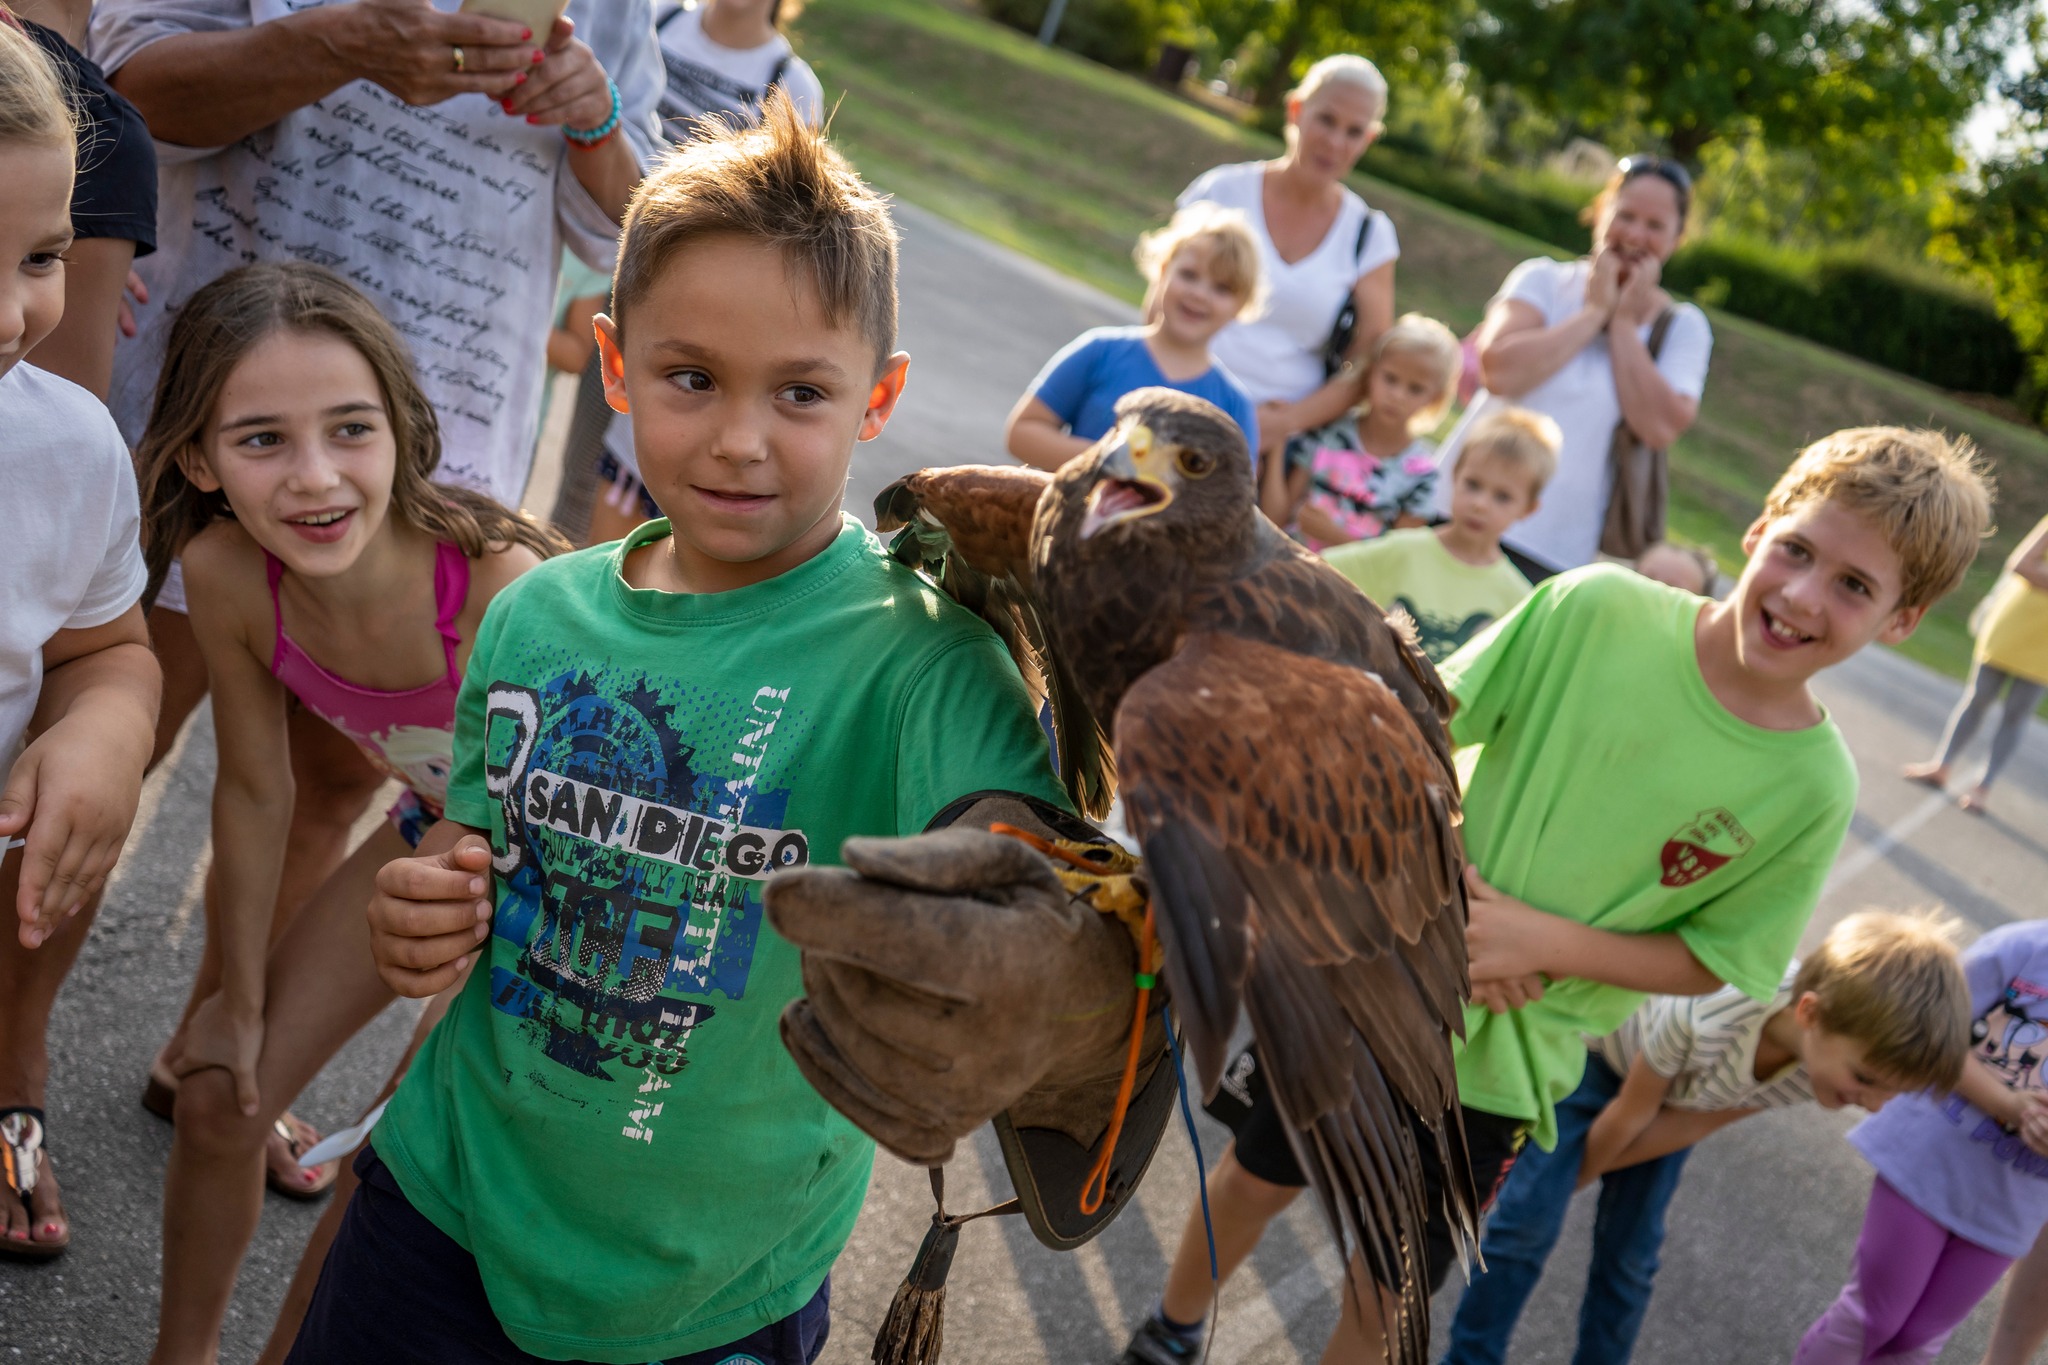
{"points": [[1806, 1009], [1754, 536], [198, 470], [612, 361], [1903, 623], [882, 398]]}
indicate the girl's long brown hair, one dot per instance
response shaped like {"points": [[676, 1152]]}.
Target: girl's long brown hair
{"points": [[215, 330]]}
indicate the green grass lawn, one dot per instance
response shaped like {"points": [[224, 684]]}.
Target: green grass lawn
{"points": [[1068, 162]]}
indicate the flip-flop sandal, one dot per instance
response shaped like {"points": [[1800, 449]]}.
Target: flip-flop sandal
{"points": [[299, 1146], [22, 1142], [162, 1101]]}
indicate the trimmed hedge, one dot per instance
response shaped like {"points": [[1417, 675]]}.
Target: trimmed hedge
{"points": [[1905, 317], [1118, 33], [1546, 217]]}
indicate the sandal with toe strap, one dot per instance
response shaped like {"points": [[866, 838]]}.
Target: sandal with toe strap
{"points": [[300, 1144], [23, 1148]]}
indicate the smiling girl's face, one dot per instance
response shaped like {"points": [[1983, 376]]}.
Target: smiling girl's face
{"points": [[1194, 302], [302, 445], [35, 231]]}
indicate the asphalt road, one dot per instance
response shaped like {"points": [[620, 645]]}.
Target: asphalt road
{"points": [[1760, 1234]]}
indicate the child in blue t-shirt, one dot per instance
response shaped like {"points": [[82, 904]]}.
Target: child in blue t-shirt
{"points": [[1202, 271]]}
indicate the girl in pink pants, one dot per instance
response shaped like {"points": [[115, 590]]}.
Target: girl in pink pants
{"points": [[1962, 1179]]}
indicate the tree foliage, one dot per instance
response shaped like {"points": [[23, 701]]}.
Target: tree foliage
{"points": [[1997, 228], [1814, 74]]}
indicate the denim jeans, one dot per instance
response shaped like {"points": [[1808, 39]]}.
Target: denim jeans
{"points": [[1628, 1232]]}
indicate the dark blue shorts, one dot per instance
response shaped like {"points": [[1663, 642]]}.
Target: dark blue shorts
{"points": [[399, 1291]]}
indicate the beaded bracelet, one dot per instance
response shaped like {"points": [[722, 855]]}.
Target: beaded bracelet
{"points": [[587, 138]]}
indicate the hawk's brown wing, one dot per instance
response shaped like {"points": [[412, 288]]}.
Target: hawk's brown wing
{"points": [[969, 528], [1300, 836], [1292, 598]]}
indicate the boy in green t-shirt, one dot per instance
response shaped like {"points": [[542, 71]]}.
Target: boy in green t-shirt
{"points": [[1454, 579], [603, 1152], [1659, 797]]}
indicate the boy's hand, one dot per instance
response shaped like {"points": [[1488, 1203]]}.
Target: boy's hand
{"points": [[1511, 994], [1505, 940], [74, 790], [946, 976], [429, 914], [229, 1036]]}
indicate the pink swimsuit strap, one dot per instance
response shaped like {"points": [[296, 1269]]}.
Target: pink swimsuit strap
{"points": [[349, 706]]}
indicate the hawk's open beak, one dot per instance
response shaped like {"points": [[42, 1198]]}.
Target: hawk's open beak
{"points": [[1129, 482]]}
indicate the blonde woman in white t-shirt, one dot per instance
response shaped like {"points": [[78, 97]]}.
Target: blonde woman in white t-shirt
{"points": [[1571, 340], [1320, 248]]}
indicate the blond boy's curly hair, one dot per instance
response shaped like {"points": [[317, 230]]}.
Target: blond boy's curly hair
{"points": [[1930, 494]]}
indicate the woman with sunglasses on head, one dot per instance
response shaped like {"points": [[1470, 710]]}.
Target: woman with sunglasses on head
{"points": [[1592, 343]]}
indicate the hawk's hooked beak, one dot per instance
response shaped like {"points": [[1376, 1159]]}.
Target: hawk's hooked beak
{"points": [[1130, 483]]}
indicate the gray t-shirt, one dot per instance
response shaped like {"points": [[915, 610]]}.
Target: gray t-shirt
{"points": [[1707, 1045], [450, 217], [1950, 1159]]}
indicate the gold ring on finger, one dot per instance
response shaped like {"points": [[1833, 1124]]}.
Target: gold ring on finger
{"points": [[460, 60]]}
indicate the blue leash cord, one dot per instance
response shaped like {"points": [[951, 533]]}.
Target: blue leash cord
{"points": [[1188, 1116]]}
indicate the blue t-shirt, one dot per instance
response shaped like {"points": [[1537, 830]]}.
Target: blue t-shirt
{"points": [[1083, 381]]}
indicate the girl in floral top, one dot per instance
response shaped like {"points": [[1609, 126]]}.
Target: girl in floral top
{"points": [[1380, 472]]}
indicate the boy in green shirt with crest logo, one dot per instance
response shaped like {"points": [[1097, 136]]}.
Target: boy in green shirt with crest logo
{"points": [[604, 1152], [1656, 796]]}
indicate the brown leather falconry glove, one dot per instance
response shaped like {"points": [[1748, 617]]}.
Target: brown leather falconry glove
{"points": [[950, 976]]}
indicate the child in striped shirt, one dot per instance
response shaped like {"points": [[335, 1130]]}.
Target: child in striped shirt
{"points": [[1881, 1007]]}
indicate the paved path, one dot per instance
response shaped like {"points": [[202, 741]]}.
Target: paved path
{"points": [[1761, 1231]]}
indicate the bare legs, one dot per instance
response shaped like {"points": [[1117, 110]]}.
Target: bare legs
{"points": [[292, 1312], [1986, 682], [2023, 1317], [322, 987], [1240, 1206], [29, 981]]}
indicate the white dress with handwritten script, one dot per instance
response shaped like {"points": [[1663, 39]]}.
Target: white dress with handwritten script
{"points": [[452, 218]]}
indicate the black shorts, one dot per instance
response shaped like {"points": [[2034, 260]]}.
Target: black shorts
{"points": [[1244, 1103], [399, 1291]]}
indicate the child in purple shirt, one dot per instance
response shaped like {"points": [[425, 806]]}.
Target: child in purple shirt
{"points": [[1962, 1179]]}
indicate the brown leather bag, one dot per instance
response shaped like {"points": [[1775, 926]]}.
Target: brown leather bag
{"points": [[1642, 480]]}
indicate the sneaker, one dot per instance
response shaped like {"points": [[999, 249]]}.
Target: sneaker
{"points": [[1155, 1344]]}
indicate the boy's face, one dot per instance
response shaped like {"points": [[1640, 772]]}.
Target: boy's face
{"points": [[746, 403], [1488, 495], [1838, 1066], [1821, 583]]}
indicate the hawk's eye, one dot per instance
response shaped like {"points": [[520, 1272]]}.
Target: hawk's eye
{"points": [[1194, 463]]}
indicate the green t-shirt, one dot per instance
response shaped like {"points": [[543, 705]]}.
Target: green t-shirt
{"points": [[607, 1119], [1451, 601], [1613, 789]]}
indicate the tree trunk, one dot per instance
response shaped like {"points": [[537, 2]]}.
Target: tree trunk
{"points": [[1686, 142], [1280, 77]]}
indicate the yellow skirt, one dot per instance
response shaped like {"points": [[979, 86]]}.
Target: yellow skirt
{"points": [[2015, 635]]}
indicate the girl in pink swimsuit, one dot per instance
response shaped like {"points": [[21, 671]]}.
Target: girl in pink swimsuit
{"points": [[287, 463]]}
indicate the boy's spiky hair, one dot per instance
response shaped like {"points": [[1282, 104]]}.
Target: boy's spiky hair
{"points": [[1894, 984], [780, 183], [1928, 493]]}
